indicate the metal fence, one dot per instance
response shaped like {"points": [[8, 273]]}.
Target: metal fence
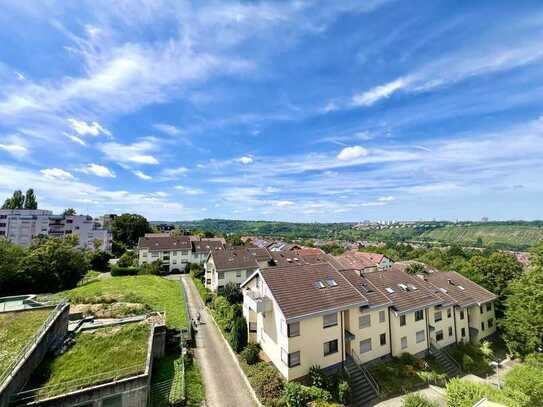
{"points": [[9, 371]]}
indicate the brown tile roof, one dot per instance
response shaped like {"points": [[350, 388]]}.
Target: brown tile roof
{"points": [[309, 251], [414, 295], [294, 289], [234, 259], [374, 295], [462, 290], [260, 253], [165, 243], [373, 257], [354, 260], [205, 246]]}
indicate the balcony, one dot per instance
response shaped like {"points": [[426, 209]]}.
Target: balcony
{"points": [[256, 302]]}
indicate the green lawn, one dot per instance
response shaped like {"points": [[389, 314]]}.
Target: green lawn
{"points": [[16, 329], [120, 295], [96, 357], [406, 373]]}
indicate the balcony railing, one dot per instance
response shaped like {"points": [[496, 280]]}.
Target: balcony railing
{"points": [[257, 302]]}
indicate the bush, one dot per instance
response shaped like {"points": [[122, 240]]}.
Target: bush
{"points": [[463, 393], [467, 362], [417, 400], [344, 392], [297, 395], [527, 379], [232, 293], [153, 268], [99, 260], [266, 381], [250, 353], [317, 377], [128, 259], [196, 271], [238, 336], [117, 271]]}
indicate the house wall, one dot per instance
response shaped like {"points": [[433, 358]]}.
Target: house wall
{"points": [[174, 259], [372, 332], [385, 264], [461, 323], [476, 318], [409, 330], [215, 280], [443, 325]]}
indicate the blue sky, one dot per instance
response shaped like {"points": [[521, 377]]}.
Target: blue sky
{"points": [[299, 111]]}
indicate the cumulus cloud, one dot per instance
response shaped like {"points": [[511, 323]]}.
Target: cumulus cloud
{"points": [[142, 175], [83, 128], [136, 153], [377, 93], [14, 149], [245, 160], [98, 170], [56, 173], [351, 153], [189, 190]]}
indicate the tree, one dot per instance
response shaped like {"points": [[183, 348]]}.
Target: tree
{"points": [[30, 200], [415, 268], [99, 260], [17, 201], [496, 271], [128, 259], [536, 252], [238, 336], [69, 212], [128, 228], [232, 293], [523, 322], [11, 257]]}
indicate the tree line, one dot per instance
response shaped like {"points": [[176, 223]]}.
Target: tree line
{"points": [[20, 201]]}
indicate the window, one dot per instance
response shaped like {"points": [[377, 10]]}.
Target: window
{"points": [[450, 331], [438, 316], [365, 346], [329, 320], [220, 275], [482, 326], [382, 316], [319, 284], [491, 322], [439, 335], [330, 347], [364, 321], [114, 401], [383, 339], [252, 327], [489, 306], [481, 308], [463, 332], [294, 359], [448, 312], [331, 282], [403, 342], [419, 315], [220, 288], [402, 320], [293, 329], [238, 273], [421, 336], [461, 314]]}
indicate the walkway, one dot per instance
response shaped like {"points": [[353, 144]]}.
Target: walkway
{"points": [[225, 386]]}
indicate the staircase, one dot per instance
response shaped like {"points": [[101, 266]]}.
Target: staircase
{"points": [[447, 362], [362, 389]]}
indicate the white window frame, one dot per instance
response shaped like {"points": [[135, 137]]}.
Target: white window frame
{"points": [[365, 342], [420, 336], [364, 321], [329, 324]]}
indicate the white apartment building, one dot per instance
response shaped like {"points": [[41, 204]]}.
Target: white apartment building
{"points": [[20, 226]]}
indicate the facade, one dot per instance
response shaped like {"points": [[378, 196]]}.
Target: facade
{"points": [[382, 261], [229, 266], [20, 226], [176, 252], [322, 314]]}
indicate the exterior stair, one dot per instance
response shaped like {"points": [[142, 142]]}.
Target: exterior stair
{"points": [[362, 390], [447, 362]]}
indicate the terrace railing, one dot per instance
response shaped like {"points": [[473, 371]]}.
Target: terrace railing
{"points": [[9, 371], [369, 377]]}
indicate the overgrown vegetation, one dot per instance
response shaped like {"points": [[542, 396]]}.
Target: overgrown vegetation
{"points": [[120, 293], [472, 358], [418, 400], [16, 330]]}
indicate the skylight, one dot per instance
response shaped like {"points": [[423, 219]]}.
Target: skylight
{"points": [[389, 290], [461, 288], [331, 282], [319, 284]]}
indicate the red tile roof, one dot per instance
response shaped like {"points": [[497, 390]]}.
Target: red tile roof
{"points": [[355, 260], [373, 257]]}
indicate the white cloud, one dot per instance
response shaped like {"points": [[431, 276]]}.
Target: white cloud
{"points": [[282, 203], [172, 172], [19, 76], [331, 106], [189, 190], [373, 95], [98, 170], [83, 128], [168, 129], [385, 199], [245, 160], [75, 139], [351, 153], [14, 149], [56, 173], [136, 153], [142, 175]]}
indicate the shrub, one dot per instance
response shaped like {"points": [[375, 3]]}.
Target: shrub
{"points": [[527, 379], [196, 270], [467, 362], [117, 271], [417, 400], [250, 353], [316, 393], [266, 381], [297, 395], [408, 359], [317, 377], [344, 392], [128, 259], [151, 268], [232, 293], [99, 260], [238, 336]]}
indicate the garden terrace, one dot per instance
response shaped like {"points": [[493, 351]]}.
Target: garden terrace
{"points": [[17, 330], [97, 356]]}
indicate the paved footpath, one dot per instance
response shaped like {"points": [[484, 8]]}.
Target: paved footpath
{"points": [[224, 384]]}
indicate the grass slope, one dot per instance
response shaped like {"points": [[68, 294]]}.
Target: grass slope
{"points": [[155, 292], [16, 329], [503, 235], [96, 357]]}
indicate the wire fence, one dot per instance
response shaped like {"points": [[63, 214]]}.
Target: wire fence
{"points": [[9, 371], [171, 392]]}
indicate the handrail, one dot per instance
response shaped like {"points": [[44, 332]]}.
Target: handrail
{"points": [[434, 349], [371, 380], [9, 371], [455, 362]]}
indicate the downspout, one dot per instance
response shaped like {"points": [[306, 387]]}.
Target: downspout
{"points": [[342, 336], [427, 330], [454, 321], [389, 332]]}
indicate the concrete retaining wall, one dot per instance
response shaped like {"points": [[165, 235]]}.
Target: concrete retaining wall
{"points": [[49, 339]]}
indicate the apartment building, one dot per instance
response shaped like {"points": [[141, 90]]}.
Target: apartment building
{"points": [[20, 226], [230, 266], [176, 252], [321, 313]]}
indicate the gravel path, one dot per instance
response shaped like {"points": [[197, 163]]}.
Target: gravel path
{"points": [[224, 384]]}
